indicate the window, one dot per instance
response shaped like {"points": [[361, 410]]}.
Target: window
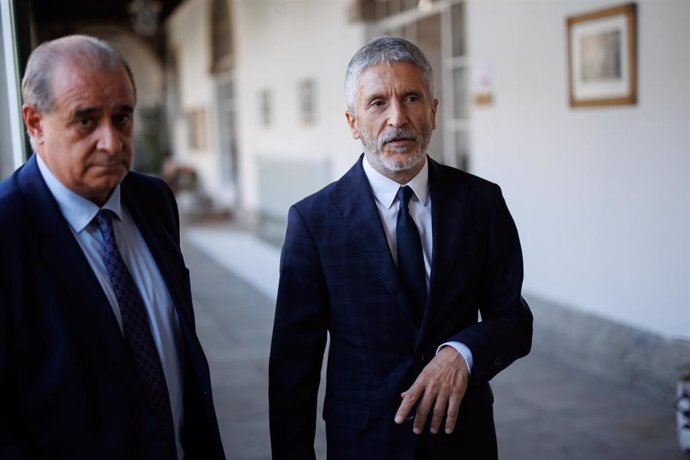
{"points": [[11, 130], [458, 66], [307, 103], [265, 107]]}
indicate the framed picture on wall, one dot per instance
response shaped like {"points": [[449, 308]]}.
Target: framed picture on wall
{"points": [[602, 57]]}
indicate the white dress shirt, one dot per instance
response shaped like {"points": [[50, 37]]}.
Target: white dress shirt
{"points": [[385, 190], [79, 213]]}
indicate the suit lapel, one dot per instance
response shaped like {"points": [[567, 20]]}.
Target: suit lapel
{"points": [[448, 205], [89, 313], [354, 202], [164, 250]]}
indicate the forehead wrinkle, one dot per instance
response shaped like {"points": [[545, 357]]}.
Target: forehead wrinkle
{"points": [[388, 90], [79, 112], [78, 97]]}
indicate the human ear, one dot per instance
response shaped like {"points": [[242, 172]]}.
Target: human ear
{"points": [[33, 121], [434, 107], [352, 123]]}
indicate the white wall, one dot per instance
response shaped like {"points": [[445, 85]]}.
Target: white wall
{"points": [[601, 196], [278, 45], [146, 66]]}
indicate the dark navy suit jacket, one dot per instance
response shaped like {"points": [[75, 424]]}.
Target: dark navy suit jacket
{"points": [[337, 277], [68, 387]]}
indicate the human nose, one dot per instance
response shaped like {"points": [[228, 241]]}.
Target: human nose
{"points": [[109, 139], [397, 116]]}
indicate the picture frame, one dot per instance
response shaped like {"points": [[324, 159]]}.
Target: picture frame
{"points": [[602, 57]]}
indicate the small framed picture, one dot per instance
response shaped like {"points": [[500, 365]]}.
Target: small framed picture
{"points": [[602, 57]]}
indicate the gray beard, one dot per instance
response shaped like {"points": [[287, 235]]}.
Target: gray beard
{"points": [[374, 152], [392, 164]]}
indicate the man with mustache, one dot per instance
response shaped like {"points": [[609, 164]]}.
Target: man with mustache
{"points": [[395, 262], [98, 354]]}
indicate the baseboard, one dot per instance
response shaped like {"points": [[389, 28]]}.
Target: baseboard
{"points": [[608, 349]]}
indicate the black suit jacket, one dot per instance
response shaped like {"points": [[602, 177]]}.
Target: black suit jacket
{"points": [[68, 388], [337, 276]]}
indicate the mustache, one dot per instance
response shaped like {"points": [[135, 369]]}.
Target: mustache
{"points": [[397, 134]]}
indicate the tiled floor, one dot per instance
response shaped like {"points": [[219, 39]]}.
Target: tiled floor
{"points": [[544, 409]]}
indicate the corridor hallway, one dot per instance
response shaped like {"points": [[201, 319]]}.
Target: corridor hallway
{"points": [[544, 409]]}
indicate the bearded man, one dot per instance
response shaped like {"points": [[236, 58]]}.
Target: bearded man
{"points": [[396, 261]]}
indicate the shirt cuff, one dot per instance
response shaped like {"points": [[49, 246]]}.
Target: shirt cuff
{"points": [[462, 349]]}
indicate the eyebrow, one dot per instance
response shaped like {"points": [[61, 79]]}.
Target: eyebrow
{"points": [[85, 112], [414, 92], [79, 113], [374, 96], [380, 95]]}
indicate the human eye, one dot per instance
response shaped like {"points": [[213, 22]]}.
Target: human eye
{"points": [[86, 122], [122, 119], [375, 103], [412, 98]]}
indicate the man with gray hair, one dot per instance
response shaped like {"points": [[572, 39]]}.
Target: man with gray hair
{"points": [[395, 262], [98, 354]]}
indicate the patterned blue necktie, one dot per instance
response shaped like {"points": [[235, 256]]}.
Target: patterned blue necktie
{"points": [[410, 256], [138, 336]]}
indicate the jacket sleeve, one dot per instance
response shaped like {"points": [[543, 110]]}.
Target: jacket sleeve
{"points": [[505, 331], [297, 347]]}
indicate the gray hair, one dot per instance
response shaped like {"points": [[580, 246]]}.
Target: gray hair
{"points": [[384, 50], [82, 50]]}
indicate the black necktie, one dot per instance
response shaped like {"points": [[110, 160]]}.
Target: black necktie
{"points": [[410, 256], [138, 336]]}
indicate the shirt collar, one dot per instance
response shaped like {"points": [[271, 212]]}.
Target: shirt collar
{"points": [[77, 210], [385, 189]]}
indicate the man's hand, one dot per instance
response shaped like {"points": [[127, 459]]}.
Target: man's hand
{"points": [[440, 385]]}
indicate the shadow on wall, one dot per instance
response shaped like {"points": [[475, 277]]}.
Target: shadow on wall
{"points": [[627, 355]]}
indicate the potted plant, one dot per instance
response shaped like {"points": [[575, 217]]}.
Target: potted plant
{"points": [[683, 408]]}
